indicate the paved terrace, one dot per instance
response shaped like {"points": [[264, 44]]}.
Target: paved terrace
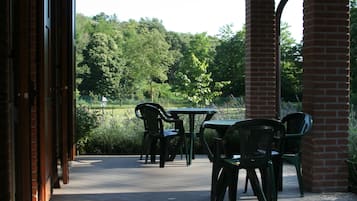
{"points": [[126, 178]]}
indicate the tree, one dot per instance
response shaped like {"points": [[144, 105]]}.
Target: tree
{"points": [[105, 67], [86, 27], [229, 62], [148, 55], [179, 43], [83, 29], [291, 66], [149, 24], [353, 52], [192, 79], [107, 24]]}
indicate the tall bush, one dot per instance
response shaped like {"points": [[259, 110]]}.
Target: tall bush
{"points": [[352, 138], [116, 136], [86, 122]]}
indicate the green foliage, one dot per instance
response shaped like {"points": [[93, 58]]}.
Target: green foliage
{"points": [[228, 65], [115, 136], [137, 59], [118, 131], [290, 107], [353, 98], [83, 28], [86, 122], [291, 87], [148, 55], [159, 91], [104, 67], [179, 43], [291, 66], [192, 78], [197, 88], [106, 24], [230, 108], [353, 51], [352, 138]]}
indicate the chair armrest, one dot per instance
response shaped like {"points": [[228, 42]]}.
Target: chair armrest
{"points": [[170, 120], [178, 123], [166, 114]]}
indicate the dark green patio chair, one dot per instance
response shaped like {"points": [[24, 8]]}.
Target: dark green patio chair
{"points": [[246, 145], [276, 154], [297, 125], [155, 121], [139, 115]]}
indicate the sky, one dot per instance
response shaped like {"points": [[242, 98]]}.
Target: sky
{"points": [[189, 16]]}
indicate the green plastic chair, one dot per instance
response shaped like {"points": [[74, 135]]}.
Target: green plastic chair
{"points": [[246, 145], [155, 117], [139, 115], [297, 125]]}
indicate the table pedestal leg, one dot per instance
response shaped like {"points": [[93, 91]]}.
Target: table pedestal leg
{"points": [[192, 137]]}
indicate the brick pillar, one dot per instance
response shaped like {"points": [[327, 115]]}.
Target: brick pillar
{"points": [[33, 68], [326, 93], [260, 74]]}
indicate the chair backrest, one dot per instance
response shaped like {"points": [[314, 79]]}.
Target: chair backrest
{"points": [[296, 126], [140, 116], [158, 106], [137, 111], [152, 118], [252, 140], [297, 123]]}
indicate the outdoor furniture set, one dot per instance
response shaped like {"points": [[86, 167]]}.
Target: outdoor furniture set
{"points": [[249, 144]]}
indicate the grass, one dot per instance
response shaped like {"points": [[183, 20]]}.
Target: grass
{"points": [[127, 112], [123, 111]]}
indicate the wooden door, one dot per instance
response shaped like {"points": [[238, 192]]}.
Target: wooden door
{"points": [[64, 31], [66, 84], [23, 98], [15, 160], [46, 106]]}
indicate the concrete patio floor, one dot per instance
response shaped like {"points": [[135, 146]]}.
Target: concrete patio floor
{"points": [[126, 178]]}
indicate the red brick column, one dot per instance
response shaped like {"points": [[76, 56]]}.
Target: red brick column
{"points": [[260, 78], [34, 146], [326, 93]]}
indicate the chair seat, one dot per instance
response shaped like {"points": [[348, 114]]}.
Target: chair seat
{"points": [[235, 160], [232, 161]]}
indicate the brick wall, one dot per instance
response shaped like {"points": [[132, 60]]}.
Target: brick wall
{"points": [[326, 93], [34, 124], [260, 79]]}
